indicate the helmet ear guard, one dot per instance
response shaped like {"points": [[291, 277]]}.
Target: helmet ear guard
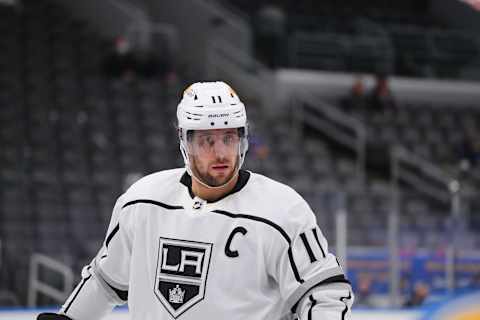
{"points": [[243, 133]]}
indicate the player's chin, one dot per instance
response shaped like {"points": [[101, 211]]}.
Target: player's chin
{"points": [[222, 176]]}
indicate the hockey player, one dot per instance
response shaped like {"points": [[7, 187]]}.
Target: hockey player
{"points": [[211, 241]]}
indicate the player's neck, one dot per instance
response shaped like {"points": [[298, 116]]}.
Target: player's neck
{"points": [[213, 194]]}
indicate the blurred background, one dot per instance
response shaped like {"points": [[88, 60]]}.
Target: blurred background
{"points": [[369, 109]]}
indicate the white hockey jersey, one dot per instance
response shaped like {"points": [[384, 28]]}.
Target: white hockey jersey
{"points": [[257, 253]]}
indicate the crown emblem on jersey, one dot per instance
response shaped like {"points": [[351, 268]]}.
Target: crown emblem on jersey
{"points": [[181, 277], [176, 294]]}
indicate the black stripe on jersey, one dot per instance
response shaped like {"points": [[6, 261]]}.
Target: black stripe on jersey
{"points": [[314, 302], [276, 227], [293, 265], [335, 279], [110, 236], [84, 280], [338, 262], [307, 246], [314, 230], [157, 203], [243, 177], [344, 312], [122, 294]]}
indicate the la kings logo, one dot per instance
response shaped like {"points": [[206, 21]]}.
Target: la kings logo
{"points": [[182, 270]]}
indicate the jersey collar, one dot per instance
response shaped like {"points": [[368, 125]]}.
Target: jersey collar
{"points": [[243, 177]]}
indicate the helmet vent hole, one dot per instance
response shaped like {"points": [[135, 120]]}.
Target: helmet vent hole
{"points": [[195, 98], [226, 122], [212, 123]]}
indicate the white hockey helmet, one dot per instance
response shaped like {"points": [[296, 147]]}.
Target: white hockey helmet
{"points": [[211, 105]]}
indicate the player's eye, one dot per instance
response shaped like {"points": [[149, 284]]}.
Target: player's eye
{"points": [[209, 141], [232, 139], [206, 141], [228, 139]]}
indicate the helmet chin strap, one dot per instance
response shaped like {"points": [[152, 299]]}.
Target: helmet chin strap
{"points": [[212, 187]]}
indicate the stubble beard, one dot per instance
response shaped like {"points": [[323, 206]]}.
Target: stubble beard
{"points": [[210, 180]]}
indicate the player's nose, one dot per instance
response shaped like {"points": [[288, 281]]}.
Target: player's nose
{"points": [[220, 149]]}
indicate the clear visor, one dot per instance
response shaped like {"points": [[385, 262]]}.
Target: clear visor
{"points": [[206, 142]]}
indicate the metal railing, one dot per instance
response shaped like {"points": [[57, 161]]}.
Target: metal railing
{"points": [[141, 28], [233, 60], [432, 181], [241, 69], [343, 128], [238, 23], [341, 230], [333, 51], [36, 286]]}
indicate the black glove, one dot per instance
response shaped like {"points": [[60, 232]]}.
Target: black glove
{"points": [[52, 316]]}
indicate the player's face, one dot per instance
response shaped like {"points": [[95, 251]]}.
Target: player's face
{"points": [[214, 155]]}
